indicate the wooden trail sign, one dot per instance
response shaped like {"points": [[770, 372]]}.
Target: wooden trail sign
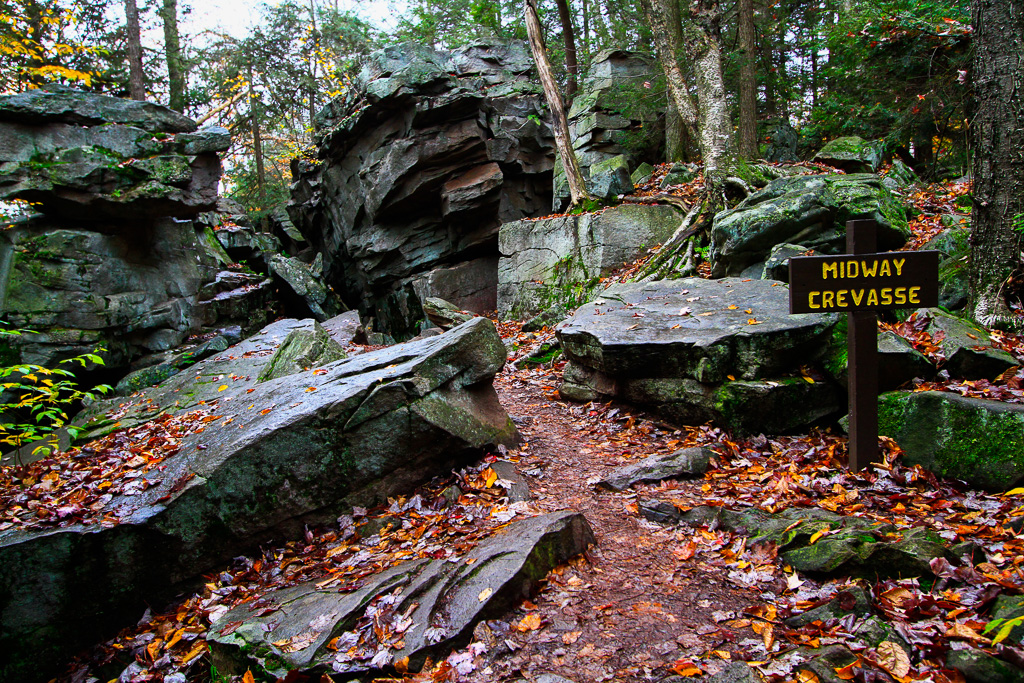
{"points": [[860, 283]]}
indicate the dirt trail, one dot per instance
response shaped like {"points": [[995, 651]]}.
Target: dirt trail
{"points": [[643, 603]]}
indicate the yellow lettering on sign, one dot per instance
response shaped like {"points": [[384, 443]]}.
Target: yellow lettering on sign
{"points": [[899, 265], [841, 298], [858, 296], [826, 268], [901, 295], [886, 294], [884, 271], [852, 269], [872, 271], [872, 297], [826, 299], [810, 300], [912, 295]]}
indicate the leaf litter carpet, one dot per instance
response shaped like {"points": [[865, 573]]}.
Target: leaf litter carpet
{"points": [[649, 601]]}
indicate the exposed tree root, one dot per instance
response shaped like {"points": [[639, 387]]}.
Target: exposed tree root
{"points": [[677, 257]]}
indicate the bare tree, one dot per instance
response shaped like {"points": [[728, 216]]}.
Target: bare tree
{"points": [[560, 123]]}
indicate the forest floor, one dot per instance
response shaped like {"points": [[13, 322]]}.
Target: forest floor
{"points": [[649, 600]]}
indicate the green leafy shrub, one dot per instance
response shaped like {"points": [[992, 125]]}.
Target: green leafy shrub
{"points": [[36, 399]]}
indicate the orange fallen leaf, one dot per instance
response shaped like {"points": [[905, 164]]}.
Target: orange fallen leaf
{"points": [[490, 476], [247, 677], [685, 668], [197, 650], [531, 622]]}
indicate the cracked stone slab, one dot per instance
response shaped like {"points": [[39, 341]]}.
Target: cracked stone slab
{"points": [[425, 606]]}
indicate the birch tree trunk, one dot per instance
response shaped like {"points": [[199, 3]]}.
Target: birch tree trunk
{"points": [[714, 127], [664, 18], [560, 123], [998, 166], [136, 84]]}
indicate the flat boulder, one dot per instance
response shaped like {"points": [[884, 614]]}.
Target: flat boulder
{"points": [[433, 604], [976, 440], [258, 462], [697, 350], [810, 211], [685, 462]]}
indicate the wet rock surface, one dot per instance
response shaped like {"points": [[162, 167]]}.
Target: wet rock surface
{"points": [[270, 457], [430, 605], [695, 350]]}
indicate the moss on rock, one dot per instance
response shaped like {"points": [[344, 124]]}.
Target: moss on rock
{"points": [[978, 441]]}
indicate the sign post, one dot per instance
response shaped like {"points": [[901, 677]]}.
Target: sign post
{"points": [[860, 283]]}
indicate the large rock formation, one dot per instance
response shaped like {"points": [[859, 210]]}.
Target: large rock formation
{"points": [[78, 154], [268, 458], [107, 263], [558, 260], [697, 350], [616, 121], [417, 166]]}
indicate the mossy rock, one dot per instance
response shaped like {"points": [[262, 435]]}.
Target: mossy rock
{"points": [[304, 348], [809, 211], [851, 154], [981, 667], [978, 441]]}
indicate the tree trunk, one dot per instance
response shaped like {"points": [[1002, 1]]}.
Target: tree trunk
{"points": [[577, 186], [257, 150], [675, 134], [998, 168], [569, 37], [175, 62], [663, 16], [136, 85], [313, 57], [714, 125], [747, 82], [586, 31]]}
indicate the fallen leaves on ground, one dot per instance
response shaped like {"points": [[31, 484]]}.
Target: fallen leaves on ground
{"points": [[77, 486]]}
